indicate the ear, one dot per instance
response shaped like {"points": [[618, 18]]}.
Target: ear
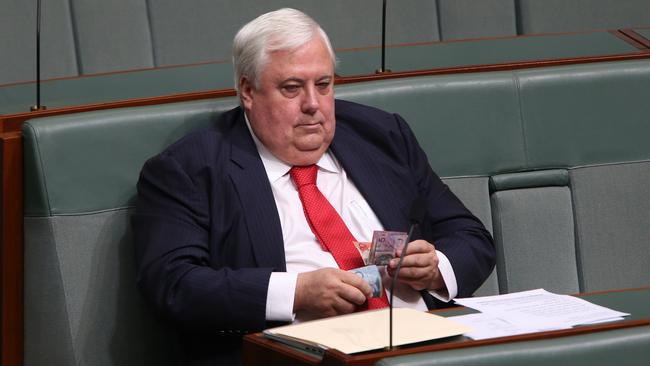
{"points": [[246, 92]]}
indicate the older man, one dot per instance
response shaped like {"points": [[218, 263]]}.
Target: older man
{"points": [[251, 221]]}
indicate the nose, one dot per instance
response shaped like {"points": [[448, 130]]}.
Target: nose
{"points": [[310, 100]]}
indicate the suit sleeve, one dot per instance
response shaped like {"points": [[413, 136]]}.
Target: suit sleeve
{"points": [[448, 224], [175, 266]]}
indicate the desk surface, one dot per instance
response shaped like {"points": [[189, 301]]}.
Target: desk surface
{"points": [[112, 87], [645, 32], [258, 349], [439, 55]]}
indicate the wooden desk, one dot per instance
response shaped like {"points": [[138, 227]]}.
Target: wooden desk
{"points": [[258, 350]]}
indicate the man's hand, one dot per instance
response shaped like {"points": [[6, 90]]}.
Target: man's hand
{"points": [[328, 292], [419, 268]]}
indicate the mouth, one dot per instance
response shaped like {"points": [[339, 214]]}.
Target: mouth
{"points": [[309, 125]]}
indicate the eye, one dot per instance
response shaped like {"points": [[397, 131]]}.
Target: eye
{"points": [[291, 89], [323, 86]]}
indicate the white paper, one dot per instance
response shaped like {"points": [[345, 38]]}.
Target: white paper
{"points": [[487, 326], [540, 309]]}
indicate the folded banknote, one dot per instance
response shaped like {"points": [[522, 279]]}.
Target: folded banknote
{"points": [[385, 246], [371, 275]]}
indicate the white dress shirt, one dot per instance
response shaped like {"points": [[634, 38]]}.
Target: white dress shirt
{"points": [[303, 252]]}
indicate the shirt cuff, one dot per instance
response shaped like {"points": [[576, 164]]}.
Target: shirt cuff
{"points": [[449, 278], [280, 296]]}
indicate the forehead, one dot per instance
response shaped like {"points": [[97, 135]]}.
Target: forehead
{"points": [[312, 59]]}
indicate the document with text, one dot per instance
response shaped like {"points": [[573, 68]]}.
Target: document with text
{"points": [[541, 310], [486, 326]]}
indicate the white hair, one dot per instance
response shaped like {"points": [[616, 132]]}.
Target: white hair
{"points": [[281, 30]]}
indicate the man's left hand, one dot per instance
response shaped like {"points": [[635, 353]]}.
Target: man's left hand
{"points": [[419, 268]]}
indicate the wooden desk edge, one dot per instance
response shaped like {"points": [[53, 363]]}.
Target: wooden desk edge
{"points": [[257, 347], [13, 121]]}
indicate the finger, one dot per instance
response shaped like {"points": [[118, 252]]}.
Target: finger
{"points": [[358, 282], [343, 306], [420, 260], [419, 246], [414, 273], [415, 260], [414, 247], [352, 295]]}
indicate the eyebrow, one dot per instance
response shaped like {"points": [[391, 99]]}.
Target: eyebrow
{"points": [[294, 79], [299, 80]]}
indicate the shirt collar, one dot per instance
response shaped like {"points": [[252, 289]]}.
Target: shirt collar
{"points": [[276, 168]]}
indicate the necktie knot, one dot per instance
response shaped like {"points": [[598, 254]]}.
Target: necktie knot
{"points": [[304, 175]]}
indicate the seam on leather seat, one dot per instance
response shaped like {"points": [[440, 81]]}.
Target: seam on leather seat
{"points": [[609, 164], [517, 83], [39, 158], [466, 176], [576, 236], [86, 213], [502, 275]]}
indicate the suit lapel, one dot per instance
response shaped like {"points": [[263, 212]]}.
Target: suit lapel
{"points": [[252, 184], [368, 176]]}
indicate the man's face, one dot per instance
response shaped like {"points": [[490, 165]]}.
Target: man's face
{"points": [[292, 111]]}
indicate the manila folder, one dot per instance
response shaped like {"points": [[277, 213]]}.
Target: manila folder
{"points": [[368, 330]]}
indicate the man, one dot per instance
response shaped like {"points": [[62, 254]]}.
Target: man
{"points": [[227, 238]]}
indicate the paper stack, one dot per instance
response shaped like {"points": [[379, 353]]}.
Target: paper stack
{"points": [[530, 311]]}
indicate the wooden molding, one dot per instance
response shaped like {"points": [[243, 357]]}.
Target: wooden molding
{"points": [[11, 249]]}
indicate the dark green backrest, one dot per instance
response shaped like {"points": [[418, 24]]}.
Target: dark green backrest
{"points": [[89, 162]]}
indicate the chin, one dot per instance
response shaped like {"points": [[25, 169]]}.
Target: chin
{"points": [[303, 157], [306, 160]]}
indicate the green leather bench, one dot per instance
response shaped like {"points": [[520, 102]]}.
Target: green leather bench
{"points": [[554, 161], [623, 347]]}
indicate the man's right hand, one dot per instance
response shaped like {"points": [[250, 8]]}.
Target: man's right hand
{"points": [[328, 292]]}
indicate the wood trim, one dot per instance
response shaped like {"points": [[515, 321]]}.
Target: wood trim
{"points": [[630, 33], [493, 67], [11, 249], [13, 122], [108, 73], [343, 49], [621, 34], [602, 292]]}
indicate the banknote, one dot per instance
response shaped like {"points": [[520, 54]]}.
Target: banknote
{"points": [[371, 275], [385, 246], [364, 250]]}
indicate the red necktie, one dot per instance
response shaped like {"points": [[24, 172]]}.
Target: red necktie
{"points": [[327, 225]]}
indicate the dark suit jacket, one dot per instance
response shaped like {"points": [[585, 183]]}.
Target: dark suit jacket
{"points": [[208, 235]]}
